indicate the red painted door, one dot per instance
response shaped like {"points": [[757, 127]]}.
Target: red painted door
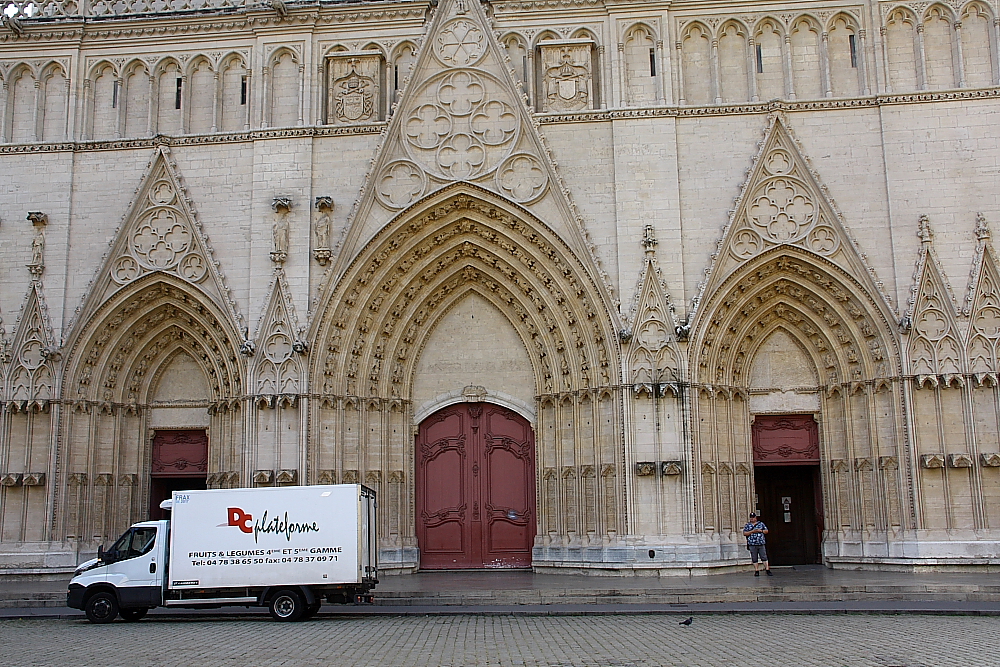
{"points": [[179, 463], [475, 479]]}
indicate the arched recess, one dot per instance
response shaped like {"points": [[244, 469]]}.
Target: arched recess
{"points": [[848, 333], [115, 357], [373, 322]]}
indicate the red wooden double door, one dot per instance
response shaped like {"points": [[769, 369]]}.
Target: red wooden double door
{"points": [[475, 495]]}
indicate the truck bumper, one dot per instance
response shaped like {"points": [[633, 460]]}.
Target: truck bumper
{"points": [[74, 597]]}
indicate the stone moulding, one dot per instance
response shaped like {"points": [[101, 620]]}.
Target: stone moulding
{"points": [[261, 477], [33, 479]]}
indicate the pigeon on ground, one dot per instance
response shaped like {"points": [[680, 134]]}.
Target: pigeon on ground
{"points": [[687, 621]]}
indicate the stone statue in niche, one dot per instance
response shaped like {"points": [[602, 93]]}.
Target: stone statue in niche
{"points": [[279, 230], [568, 82], [38, 221], [354, 95], [322, 251]]}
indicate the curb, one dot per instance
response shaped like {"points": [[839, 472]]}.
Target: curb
{"points": [[930, 608]]}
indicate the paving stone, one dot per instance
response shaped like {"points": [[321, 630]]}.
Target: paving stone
{"points": [[532, 641]]}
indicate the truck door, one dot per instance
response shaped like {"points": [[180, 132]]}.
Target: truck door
{"points": [[136, 569]]}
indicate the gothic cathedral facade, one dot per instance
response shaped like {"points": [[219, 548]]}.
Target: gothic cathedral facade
{"points": [[572, 285]]}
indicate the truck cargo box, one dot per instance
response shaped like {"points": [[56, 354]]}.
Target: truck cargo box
{"points": [[302, 535]]}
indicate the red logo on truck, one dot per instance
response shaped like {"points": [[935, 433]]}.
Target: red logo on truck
{"points": [[240, 519]]}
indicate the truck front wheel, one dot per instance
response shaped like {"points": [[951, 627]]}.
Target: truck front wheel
{"points": [[287, 605], [102, 607]]}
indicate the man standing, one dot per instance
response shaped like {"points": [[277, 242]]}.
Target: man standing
{"points": [[755, 531]]}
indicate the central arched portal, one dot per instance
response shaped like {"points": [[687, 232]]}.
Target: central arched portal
{"points": [[475, 488]]}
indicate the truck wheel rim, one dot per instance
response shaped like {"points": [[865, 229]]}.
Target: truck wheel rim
{"points": [[102, 608], [284, 606]]}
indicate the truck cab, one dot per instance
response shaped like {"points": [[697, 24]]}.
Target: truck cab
{"points": [[127, 578]]}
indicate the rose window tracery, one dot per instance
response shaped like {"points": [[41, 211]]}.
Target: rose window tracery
{"points": [[161, 241], [782, 209], [463, 126], [522, 178], [460, 43]]}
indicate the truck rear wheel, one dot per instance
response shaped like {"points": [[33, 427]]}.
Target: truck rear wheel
{"points": [[287, 605], [102, 607]]}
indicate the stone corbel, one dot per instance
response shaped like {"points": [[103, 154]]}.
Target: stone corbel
{"points": [[287, 476], [671, 468], [11, 479], [33, 479], [960, 461], [261, 477], [991, 460], [932, 461], [645, 469]]}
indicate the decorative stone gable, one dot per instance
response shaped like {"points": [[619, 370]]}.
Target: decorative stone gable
{"points": [[984, 308], [784, 203], [277, 369], [161, 234], [462, 117], [656, 358], [32, 353], [935, 347]]}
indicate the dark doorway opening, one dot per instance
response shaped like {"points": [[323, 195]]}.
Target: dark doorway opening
{"points": [[787, 502], [788, 485], [475, 488], [179, 463]]}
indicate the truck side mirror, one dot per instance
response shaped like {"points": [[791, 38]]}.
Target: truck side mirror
{"points": [[100, 552]]}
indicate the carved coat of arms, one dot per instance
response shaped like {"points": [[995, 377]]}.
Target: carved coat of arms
{"points": [[567, 84], [353, 90]]}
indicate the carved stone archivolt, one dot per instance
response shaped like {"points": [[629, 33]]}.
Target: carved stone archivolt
{"points": [[462, 240], [132, 333]]}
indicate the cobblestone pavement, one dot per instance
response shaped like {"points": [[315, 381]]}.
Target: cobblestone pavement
{"points": [[534, 641]]}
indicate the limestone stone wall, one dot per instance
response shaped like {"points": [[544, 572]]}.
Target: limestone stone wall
{"points": [[304, 231]]}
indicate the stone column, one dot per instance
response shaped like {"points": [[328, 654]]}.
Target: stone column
{"points": [[216, 80], [716, 76], [862, 55], [789, 69], [921, 59], [680, 73], [960, 56], [752, 70], [885, 59], [824, 64]]}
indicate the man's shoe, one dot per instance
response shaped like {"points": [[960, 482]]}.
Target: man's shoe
{"points": [[769, 573], [756, 573]]}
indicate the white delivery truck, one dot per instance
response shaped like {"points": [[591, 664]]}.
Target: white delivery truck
{"points": [[286, 548]]}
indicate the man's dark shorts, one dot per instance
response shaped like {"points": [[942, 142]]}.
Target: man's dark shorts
{"points": [[758, 551]]}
